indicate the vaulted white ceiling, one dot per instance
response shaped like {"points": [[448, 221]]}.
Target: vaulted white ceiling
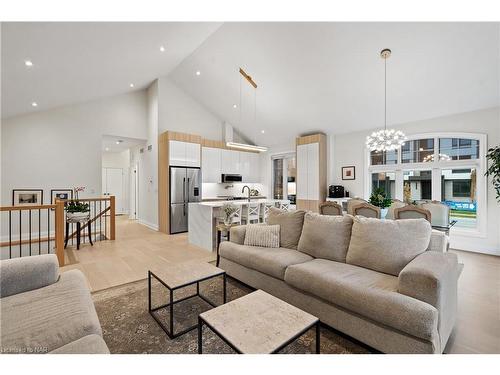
{"points": [[329, 76], [310, 76], [76, 62]]}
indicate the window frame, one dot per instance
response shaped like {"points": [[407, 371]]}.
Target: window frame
{"points": [[436, 167]]}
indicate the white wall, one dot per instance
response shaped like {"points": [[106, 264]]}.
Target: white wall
{"points": [[61, 148], [348, 149]]}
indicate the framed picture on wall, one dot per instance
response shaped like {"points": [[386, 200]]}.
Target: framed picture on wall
{"points": [[27, 197], [349, 173], [60, 194]]}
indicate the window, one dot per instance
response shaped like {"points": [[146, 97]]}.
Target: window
{"points": [[458, 149], [386, 181], [439, 167], [417, 186], [418, 151], [458, 191], [384, 157], [284, 177]]}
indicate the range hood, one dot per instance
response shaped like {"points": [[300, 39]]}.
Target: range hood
{"points": [[228, 138]]}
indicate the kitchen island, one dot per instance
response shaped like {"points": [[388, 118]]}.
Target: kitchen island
{"points": [[203, 217]]}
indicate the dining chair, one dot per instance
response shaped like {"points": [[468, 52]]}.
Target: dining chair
{"points": [[330, 208], [412, 212], [396, 203], [236, 219], [251, 212], [440, 213], [367, 210], [353, 202]]}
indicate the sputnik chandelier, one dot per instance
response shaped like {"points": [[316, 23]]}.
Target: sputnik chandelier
{"points": [[385, 139]]}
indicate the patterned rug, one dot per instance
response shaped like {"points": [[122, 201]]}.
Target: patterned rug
{"points": [[129, 328]]}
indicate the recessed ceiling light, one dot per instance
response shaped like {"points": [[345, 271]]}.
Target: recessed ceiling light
{"points": [[262, 131], [162, 49], [28, 63], [198, 73], [34, 104], [118, 141], [107, 149], [131, 85], [235, 106]]}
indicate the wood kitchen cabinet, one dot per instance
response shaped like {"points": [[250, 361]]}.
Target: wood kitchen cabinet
{"points": [[311, 171]]}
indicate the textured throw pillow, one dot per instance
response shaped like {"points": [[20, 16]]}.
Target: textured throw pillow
{"points": [[262, 235], [290, 223], [325, 236], [387, 245]]}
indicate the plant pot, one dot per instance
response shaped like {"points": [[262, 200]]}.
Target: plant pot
{"points": [[383, 212], [78, 216]]}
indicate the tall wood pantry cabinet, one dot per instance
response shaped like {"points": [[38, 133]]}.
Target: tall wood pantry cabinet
{"points": [[311, 171]]}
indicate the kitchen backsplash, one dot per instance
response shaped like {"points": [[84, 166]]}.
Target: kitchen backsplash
{"points": [[212, 190]]}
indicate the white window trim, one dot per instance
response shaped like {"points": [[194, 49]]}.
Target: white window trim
{"points": [[436, 166]]}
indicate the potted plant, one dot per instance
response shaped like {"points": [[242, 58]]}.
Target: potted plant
{"points": [[229, 210], [76, 210], [493, 157], [380, 199]]}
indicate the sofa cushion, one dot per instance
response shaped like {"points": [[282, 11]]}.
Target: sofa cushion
{"points": [[272, 262], [48, 318], [365, 292], [387, 245], [262, 235], [325, 236], [90, 344], [290, 223]]}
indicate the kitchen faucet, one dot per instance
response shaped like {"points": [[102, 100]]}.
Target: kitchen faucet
{"points": [[243, 190]]}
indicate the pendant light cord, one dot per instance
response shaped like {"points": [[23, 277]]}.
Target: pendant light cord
{"points": [[385, 93], [240, 101]]}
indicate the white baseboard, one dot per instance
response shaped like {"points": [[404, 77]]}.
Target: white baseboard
{"points": [[148, 224], [474, 245]]}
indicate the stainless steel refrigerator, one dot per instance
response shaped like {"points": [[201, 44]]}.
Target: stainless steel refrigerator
{"points": [[185, 187]]}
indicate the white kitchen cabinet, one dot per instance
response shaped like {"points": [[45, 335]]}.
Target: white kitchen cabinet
{"points": [[254, 165], [230, 162], [302, 172], [184, 154], [313, 171], [211, 164], [244, 166]]}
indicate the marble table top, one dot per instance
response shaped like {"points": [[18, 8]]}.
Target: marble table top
{"points": [[179, 274], [258, 323]]}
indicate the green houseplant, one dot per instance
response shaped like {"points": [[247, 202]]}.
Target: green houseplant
{"points": [[380, 199], [493, 170], [77, 210]]}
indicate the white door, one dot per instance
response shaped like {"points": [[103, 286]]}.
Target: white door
{"points": [[211, 164], [113, 185], [302, 171], [313, 171]]}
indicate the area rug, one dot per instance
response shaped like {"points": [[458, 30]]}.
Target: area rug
{"points": [[129, 328]]}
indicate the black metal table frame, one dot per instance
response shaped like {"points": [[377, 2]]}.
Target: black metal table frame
{"points": [[202, 322], [170, 330]]}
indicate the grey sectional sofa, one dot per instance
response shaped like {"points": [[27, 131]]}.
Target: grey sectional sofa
{"points": [[389, 284], [43, 311]]}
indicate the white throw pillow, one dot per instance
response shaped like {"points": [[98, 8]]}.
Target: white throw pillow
{"points": [[262, 235]]}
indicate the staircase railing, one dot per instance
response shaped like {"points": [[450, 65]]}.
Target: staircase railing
{"points": [[41, 229]]}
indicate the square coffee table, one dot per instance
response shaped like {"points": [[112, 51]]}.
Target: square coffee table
{"points": [[180, 276], [258, 323]]}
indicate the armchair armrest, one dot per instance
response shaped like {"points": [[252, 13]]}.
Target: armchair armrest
{"points": [[237, 234], [20, 275], [439, 242], [432, 277]]}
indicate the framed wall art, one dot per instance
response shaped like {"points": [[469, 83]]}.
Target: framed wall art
{"points": [[349, 173], [27, 197]]}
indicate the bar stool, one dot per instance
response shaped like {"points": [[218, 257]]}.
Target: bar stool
{"points": [[251, 212]]}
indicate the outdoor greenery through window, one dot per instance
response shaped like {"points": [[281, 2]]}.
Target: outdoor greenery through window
{"points": [[413, 174]]}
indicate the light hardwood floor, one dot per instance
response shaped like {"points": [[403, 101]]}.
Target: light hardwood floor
{"points": [[138, 248]]}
